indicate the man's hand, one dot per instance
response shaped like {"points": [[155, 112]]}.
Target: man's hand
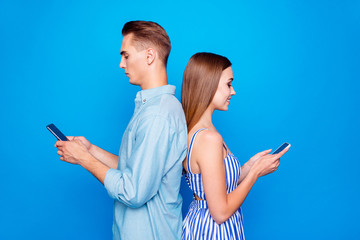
{"points": [[83, 140], [74, 151]]}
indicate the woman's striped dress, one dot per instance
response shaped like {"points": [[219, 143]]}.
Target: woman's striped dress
{"points": [[198, 223]]}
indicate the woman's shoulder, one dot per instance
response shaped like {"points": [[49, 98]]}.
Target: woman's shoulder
{"points": [[209, 139], [208, 149]]}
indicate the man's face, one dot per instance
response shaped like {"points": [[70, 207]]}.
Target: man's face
{"points": [[133, 61]]}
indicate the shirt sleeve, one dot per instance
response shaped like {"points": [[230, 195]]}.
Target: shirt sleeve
{"points": [[140, 180]]}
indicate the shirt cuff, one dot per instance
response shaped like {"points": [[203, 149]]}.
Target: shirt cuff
{"points": [[111, 178]]}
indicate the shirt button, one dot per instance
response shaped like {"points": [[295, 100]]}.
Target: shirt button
{"points": [[144, 100]]}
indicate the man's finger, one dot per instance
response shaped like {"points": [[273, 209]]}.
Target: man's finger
{"points": [[59, 144], [70, 138]]}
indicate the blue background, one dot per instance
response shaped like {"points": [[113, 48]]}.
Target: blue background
{"points": [[296, 70]]}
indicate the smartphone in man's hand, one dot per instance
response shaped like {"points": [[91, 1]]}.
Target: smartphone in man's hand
{"points": [[56, 132]]}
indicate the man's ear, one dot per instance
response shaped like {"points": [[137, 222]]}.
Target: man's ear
{"points": [[150, 55]]}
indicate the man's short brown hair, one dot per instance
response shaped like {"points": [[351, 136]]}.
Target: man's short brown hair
{"points": [[147, 34]]}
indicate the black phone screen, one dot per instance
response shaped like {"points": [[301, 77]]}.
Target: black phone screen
{"points": [[56, 132], [282, 147]]}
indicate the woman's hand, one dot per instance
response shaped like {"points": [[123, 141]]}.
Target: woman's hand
{"points": [[265, 163], [257, 156]]}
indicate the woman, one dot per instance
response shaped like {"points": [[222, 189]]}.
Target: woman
{"points": [[211, 170]]}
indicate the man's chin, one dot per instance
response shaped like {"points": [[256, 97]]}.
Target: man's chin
{"points": [[133, 82]]}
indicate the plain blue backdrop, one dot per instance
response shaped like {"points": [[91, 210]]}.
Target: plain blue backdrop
{"points": [[296, 69]]}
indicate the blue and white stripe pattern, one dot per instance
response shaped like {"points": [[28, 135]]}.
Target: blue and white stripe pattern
{"points": [[198, 223]]}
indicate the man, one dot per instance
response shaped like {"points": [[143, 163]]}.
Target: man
{"points": [[145, 178]]}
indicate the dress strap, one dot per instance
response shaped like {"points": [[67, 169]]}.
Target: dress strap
{"points": [[190, 148], [227, 151]]}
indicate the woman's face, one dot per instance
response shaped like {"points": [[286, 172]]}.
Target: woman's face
{"points": [[224, 91]]}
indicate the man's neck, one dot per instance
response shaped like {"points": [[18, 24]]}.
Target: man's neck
{"points": [[157, 79]]}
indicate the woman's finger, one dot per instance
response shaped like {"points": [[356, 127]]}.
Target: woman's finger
{"points": [[265, 152]]}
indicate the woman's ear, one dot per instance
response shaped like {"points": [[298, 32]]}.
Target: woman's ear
{"points": [[150, 55]]}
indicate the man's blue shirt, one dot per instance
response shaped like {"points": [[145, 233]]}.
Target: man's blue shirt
{"points": [[146, 183]]}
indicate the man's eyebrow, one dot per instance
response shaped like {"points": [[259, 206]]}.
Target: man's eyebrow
{"points": [[122, 53]]}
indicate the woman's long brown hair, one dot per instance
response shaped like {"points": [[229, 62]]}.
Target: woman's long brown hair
{"points": [[200, 81]]}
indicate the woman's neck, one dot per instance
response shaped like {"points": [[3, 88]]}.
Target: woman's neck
{"points": [[206, 120]]}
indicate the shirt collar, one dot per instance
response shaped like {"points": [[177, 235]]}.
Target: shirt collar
{"points": [[145, 95]]}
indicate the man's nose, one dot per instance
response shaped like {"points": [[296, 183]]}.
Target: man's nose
{"points": [[122, 64]]}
